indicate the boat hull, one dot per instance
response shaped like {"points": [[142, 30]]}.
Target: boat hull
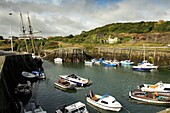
{"points": [[148, 100], [109, 65], [28, 75], [96, 104], [79, 81], [141, 69], [61, 86]]}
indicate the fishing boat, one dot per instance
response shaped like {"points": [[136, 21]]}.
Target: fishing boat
{"points": [[28, 75], [109, 64], [159, 87], [65, 85], [145, 66], [79, 81], [39, 74], [106, 102], [77, 107], [126, 62], [150, 97]]}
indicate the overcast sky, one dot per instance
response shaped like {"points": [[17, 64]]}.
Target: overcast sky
{"points": [[65, 17]]}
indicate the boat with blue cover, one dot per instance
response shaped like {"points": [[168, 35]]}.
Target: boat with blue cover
{"points": [[106, 102], [39, 74], [109, 64]]}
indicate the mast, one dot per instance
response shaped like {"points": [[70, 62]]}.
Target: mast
{"points": [[31, 33], [22, 27], [144, 52]]}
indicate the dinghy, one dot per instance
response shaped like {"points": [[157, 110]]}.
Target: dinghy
{"points": [[65, 85], [28, 75], [149, 97]]}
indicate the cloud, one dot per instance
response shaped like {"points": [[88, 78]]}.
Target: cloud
{"points": [[64, 17]]}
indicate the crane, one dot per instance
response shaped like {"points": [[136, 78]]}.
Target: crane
{"points": [[22, 27]]}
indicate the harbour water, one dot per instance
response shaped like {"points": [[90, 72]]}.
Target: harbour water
{"points": [[114, 81]]}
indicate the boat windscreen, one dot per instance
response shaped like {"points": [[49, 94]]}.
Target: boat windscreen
{"points": [[81, 109], [167, 89], [72, 76], [105, 95]]}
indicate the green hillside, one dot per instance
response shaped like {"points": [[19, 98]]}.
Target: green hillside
{"points": [[128, 34], [124, 31]]}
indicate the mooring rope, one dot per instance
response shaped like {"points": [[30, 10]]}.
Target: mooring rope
{"points": [[126, 109]]}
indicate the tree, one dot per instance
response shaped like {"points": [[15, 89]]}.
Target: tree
{"points": [[1, 38]]}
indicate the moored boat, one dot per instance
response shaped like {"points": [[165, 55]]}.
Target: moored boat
{"points": [[77, 107], [79, 81], [159, 87], [23, 89], [39, 74], [58, 60], [28, 75], [109, 64], [31, 107], [65, 85], [98, 62], [150, 97], [145, 66], [106, 102], [126, 62], [92, 62]]}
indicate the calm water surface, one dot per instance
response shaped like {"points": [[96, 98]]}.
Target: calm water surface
{"points": [[114, 81]]}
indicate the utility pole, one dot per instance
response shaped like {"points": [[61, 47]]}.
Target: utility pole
{"points": [[23, 30], [10, 14]]}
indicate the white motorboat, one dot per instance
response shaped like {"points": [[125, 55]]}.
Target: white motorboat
{"points": [[158, 87], [126, 62], [92, 62], [58, 60], [145, 66], [28, 75], [79, 81], [150, 97], [116, 62], [77, 107], [106, 102], [65, 85]]}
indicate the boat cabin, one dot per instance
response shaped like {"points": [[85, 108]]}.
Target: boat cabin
{"points": [[73, 108]]}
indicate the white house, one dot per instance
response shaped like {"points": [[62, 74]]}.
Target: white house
{"points": [[111, 41]]}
